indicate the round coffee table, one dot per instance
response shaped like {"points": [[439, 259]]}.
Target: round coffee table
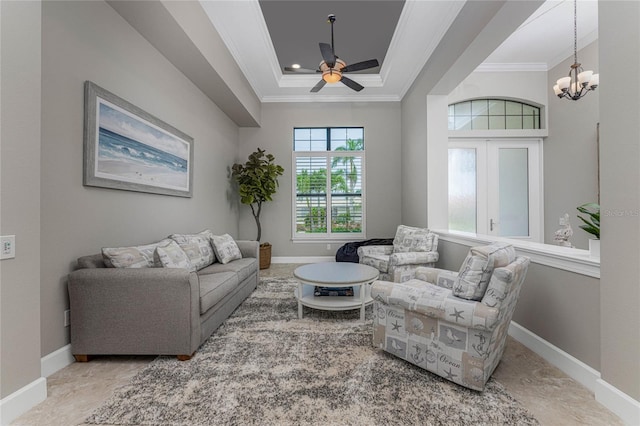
{"points": [[335, 274]]}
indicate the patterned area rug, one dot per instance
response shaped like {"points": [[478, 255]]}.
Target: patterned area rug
{"points": [[265, 366]]}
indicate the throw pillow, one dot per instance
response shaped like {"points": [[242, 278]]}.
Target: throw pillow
{"points": [[226, 248], [476, 270], [130, 257], [197, 247], [410, 239], [170, 255]]}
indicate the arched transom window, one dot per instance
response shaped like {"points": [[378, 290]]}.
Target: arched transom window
{"points": [[493, 114]]}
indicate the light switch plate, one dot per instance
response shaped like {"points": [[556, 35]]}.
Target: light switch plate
{"points": [[7, 247]]}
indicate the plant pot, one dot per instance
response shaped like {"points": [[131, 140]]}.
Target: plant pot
{"points": [[594, 248], [265, 256]]}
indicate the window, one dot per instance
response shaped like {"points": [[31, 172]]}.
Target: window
{"points": [[329, 183], [495, 187], [493, 114]]}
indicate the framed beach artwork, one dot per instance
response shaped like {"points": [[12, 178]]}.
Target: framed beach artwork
{"points": [[127, 148]]}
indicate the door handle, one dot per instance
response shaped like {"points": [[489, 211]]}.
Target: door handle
{"points": [[492, 223]]}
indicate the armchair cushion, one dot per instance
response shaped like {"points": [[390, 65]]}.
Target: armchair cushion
{"points": [[410, 239], [439, 277], [378, 261], [415, 258], [435, 302], [477, 268]]}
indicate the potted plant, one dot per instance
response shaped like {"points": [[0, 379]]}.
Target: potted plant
{"points": [[257, 182], [591, 225]]}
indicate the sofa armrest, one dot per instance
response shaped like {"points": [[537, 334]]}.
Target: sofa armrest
{"points": [[439, 277], [134, 311], [249, 248], [413, 258], [369, 250], [435, 302]]}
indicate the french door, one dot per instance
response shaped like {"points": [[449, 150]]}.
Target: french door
{"points": [[495, 187]]}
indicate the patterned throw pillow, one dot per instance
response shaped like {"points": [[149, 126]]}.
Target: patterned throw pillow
{"points": [[226, 248], [130, 257], [476, 270], [410, 239], [170, 255], [197, 247]]}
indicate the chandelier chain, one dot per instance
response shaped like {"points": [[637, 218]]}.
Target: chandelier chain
{"points": [[575, 31]]}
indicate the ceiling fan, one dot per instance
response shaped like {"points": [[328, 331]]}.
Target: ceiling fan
{"points": [[333, 68]]}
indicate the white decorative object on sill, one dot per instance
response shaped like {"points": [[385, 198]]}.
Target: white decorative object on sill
{"points": [[594, 247], [563, 234]]}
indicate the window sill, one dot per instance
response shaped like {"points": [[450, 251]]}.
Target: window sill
{"points": [[327, 240], [564, 258]]}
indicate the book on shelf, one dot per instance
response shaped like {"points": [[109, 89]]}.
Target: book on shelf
{"points": [[333, 291]]}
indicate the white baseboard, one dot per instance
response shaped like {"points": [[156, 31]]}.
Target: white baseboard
{"points": [[22, 400], [621, 404], [572, 366], [303, 259], [56, 360], [618, 402]]}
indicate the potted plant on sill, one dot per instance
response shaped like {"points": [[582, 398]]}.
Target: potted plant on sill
{"points": [[257, 182], [591, 225]]}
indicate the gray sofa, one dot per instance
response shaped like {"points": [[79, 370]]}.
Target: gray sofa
{"points": [[154, 311]]}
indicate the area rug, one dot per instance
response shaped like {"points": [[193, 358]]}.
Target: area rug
{"points": [[265, 366]]}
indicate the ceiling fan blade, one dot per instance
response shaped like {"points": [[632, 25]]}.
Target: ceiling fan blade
{"points": [[327, 54], [371, 63], [318, 86], [351, 84], [301, 70]]}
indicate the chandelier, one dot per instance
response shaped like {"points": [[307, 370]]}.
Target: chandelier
{"points": [[579, 82]]}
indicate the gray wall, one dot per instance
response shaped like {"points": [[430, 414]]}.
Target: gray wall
{"points": [[20, 188], [90, 41], [619, 34], [561, 307], [381, 122], [570, 152]]}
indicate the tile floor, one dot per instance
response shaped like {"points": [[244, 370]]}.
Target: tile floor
{"points": [[554, 398]]}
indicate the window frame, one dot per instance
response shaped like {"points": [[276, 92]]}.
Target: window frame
{"points": [[327, 155]]}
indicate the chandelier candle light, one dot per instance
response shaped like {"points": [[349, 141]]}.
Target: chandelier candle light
{"points": [[579, 82]]}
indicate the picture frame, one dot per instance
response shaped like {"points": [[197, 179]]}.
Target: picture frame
{"points": [[129, 149]]}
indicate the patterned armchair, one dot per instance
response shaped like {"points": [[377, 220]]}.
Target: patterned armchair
{"points": [[412, 248], [453, 324]]}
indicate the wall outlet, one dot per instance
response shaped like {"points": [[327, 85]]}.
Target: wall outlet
{"points": [[67, 318], [7, 247], [328, 246], [562, 221]]}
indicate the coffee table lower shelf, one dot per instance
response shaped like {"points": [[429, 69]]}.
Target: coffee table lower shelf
{"points": [[333, 303]]}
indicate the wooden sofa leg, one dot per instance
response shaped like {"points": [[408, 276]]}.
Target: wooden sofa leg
{"points": [[184, 357], [81, 358]]}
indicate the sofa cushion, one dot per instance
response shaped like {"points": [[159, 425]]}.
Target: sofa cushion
{"points": [[477, 268], [226, 248], [410, 239], [170, 255], [243, 267], [197, 247], [131, 257], [214, 287]]}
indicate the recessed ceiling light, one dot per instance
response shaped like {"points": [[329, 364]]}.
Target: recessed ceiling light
{"points": [[295, 66]]}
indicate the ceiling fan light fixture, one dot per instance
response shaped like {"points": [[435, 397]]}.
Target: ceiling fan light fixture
{"points": [[296, 66], [332, 75]]}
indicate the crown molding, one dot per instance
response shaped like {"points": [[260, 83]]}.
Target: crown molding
{"points": [[568, 53], [512, 67], [311, 97]]}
